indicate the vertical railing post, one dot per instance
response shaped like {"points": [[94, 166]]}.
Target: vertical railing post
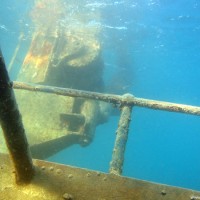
{"points": [[10, 120], [120, 141]]}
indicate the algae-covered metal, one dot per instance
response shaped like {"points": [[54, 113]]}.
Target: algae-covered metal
{"points": [[56, 182], [59, 182], [117, 100], [120, 141], [64, 51]]}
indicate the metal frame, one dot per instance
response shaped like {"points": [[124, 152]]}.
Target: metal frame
{"points": [[124, 103], [118, 100], [107, 186]]}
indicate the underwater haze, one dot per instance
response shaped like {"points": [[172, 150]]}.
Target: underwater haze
{"points": [[151, 49]]}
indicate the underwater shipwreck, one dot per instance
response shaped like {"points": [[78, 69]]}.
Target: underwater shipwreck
{"points": [[60, 94]]}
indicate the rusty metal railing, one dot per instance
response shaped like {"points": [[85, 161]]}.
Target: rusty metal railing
{"points": [[15, 137], [120, 142], [125, 103], [118, 100]]}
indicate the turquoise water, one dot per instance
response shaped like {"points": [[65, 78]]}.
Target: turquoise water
{"points": [[152, 48]]}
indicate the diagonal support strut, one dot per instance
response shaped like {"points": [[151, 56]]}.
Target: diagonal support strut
{"points": [[11, 123]]}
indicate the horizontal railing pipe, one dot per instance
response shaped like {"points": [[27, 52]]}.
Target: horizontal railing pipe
{"points": [[118, 100]]}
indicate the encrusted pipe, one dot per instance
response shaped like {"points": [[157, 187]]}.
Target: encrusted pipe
{"points": [[11, 123], [110, 98], [120, 141]]}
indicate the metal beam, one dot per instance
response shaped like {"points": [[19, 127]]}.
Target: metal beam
{"points": [[59, 182], [118, 100], [10, 120], [120, 141]]}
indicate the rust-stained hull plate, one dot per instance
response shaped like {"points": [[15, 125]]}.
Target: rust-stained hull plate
{"points": [[56, 182]]}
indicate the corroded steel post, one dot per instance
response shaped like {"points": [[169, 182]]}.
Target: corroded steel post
{"points": [[10, 120], [120, 142]]}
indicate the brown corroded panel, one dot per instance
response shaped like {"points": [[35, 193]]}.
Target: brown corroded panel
{"points": [[58, 182], [37, 59]]}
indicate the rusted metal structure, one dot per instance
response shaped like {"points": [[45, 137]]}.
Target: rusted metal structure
{"points": [[64, 51], [66, 54], [13, 129], [53, 181]]}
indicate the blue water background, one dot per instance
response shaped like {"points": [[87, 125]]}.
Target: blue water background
{"points": [[153, 48]]}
